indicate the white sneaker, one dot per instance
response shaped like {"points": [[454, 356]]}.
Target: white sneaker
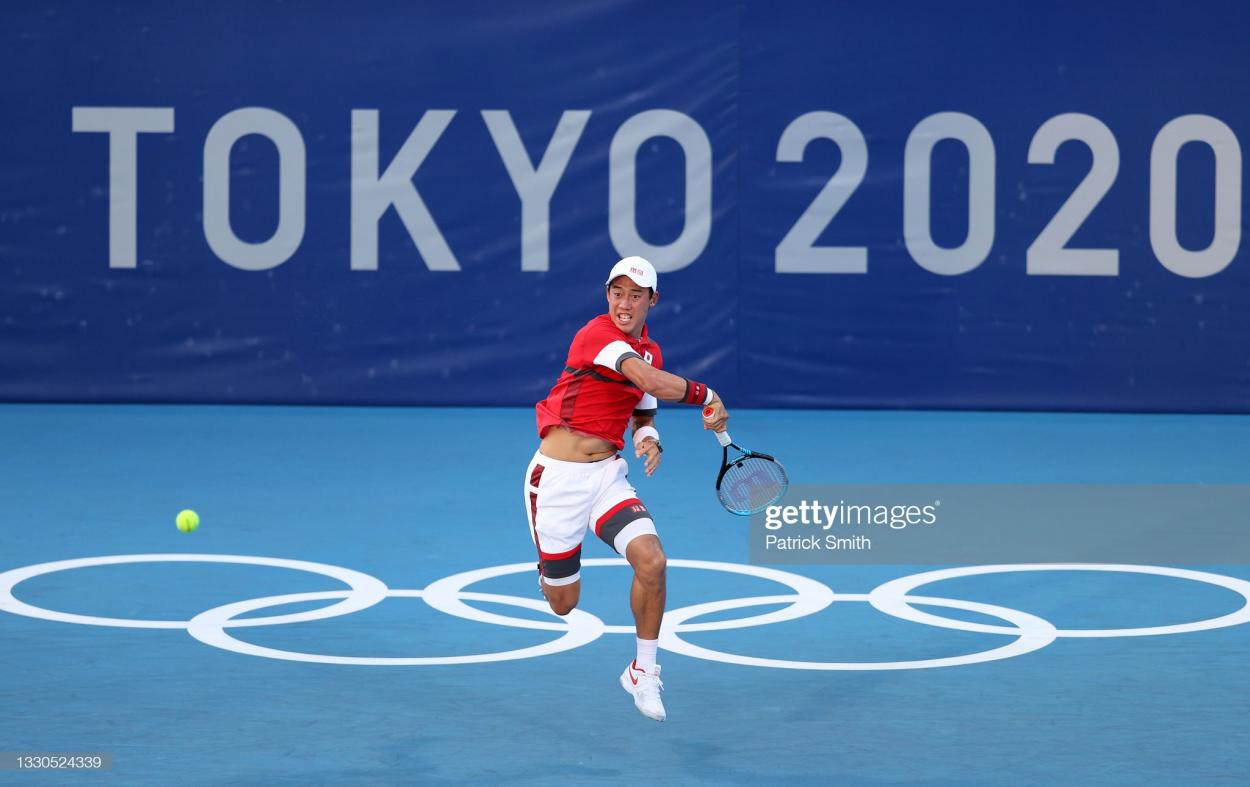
{"points": [[646, 688]]}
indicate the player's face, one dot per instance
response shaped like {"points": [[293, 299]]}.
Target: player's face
{"points": [[628, 304]]}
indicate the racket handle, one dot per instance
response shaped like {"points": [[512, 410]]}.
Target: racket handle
{"points": [[721, 437]]}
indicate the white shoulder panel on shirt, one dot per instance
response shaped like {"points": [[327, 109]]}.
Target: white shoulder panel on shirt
{"points": [[612, 355]]}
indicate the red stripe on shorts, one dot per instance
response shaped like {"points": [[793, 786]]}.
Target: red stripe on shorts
{"points": [[560, 555], [633, 501], [534, 521], [535, 477]]}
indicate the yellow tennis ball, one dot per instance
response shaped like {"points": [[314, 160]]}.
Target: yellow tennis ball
{"points": [[187, 520]]}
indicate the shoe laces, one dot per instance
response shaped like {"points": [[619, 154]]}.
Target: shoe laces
{"points": [[649, 683]]}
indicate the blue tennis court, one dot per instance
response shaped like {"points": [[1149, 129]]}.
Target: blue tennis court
{"points": [[409, 497], [316, 271]]}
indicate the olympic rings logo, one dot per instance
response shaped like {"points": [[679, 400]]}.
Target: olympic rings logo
{"points": [[448, 595]]}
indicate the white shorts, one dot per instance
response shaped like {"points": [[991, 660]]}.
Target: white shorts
{"points": [[562, 499]]}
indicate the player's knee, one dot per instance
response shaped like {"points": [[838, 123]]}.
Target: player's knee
{"points": [[562, 602], [651, 563]]}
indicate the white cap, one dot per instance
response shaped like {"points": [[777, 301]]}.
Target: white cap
{"points": [[636, 268]]}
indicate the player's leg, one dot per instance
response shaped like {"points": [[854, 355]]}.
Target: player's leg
{"points": [[625, 524], [562, 598], [648, 592], [557, 503]]}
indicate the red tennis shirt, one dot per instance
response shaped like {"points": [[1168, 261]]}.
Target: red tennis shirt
{"points": [[591, 396]]}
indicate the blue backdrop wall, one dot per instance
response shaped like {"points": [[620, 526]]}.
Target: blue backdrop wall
{"points": [[971, 204]]}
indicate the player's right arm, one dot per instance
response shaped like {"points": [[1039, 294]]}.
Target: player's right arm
{"points": [[672, 388]]}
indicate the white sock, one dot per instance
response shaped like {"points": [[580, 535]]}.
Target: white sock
{"points": [[646, 654]]}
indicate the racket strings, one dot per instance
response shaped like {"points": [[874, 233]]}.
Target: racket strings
{"points": [[752, 484]]}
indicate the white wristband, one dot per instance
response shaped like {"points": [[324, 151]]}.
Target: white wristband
{"points": [[643, 432], [710, 396]]}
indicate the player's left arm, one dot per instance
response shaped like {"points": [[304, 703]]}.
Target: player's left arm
{"points": [[646, 439]]}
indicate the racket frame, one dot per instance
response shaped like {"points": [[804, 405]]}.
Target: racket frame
{"points": [[726, 443]]}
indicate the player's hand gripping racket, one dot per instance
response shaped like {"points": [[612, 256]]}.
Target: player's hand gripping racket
{"points": [[750, 481]]}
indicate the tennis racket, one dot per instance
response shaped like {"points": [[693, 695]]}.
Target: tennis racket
{"points": [[750, 481]]}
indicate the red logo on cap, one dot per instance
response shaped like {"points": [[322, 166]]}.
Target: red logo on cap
{"points": [[638, 271]]}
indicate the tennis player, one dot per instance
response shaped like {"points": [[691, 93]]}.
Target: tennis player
{"points": [[578, 480]]}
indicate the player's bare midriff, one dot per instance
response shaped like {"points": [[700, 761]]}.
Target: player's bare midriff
{"points": [[569, 446]]}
